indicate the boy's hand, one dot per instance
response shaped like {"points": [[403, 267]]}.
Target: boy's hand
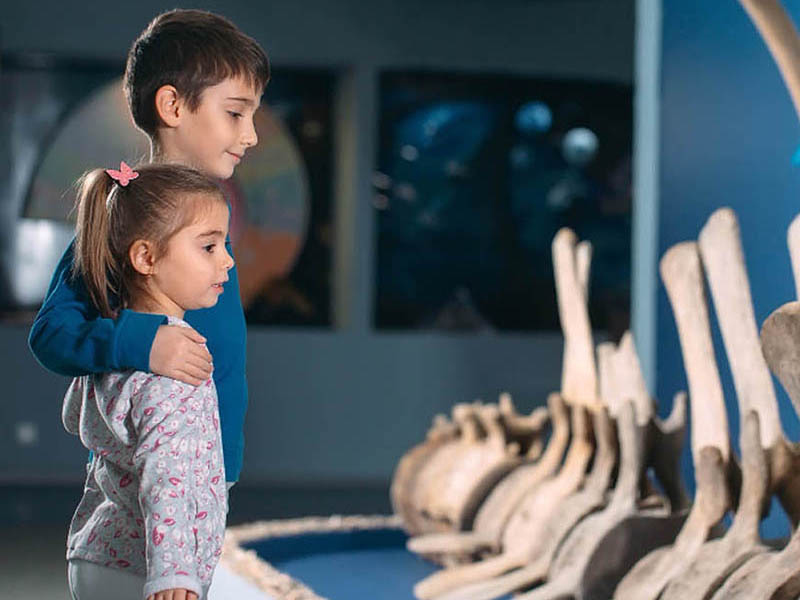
{"points": [[175, 594], [178, 352]]}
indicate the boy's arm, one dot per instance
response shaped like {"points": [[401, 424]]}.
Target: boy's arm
{"points": [[70, 338]]}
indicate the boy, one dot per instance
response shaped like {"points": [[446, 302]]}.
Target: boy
{"points": [[193, 82]]}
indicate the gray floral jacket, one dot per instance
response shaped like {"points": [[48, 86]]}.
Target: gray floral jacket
{"points": [[155, 499]]}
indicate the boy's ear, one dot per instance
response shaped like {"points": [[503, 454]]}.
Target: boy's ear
{"points": [[142, 257], [168, 105]]}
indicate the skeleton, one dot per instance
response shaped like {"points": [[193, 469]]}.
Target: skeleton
{"points": [[579, 386], [450, 484], [440, 463], [591, 497], [442, 431], [494, 514], [538, 538], [723, 258], [774, 575], [598, 550], [780, 36], [793, 241], [454, 498], [524, 429], [681, 272]]}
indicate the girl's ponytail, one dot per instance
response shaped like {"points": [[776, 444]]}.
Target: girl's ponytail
{"points": [[93, 259]]}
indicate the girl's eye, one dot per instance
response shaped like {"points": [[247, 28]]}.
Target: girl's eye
{"points": [[209, 248], [235, 115]]}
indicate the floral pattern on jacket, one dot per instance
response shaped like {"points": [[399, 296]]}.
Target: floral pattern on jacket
{"points": [[155, 501]]}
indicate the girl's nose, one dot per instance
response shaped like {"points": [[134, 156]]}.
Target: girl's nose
{"points": [[228, 261]]}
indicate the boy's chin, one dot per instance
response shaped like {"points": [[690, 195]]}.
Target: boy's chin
{"points": [[223, 173], [219, 169]]}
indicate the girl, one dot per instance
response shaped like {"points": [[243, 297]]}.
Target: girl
{"points": [[152, 517]]}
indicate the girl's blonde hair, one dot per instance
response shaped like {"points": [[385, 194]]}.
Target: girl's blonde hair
{"points": [[161, 201]]}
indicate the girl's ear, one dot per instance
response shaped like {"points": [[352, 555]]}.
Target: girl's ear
{"points": [[142, 257], [169, 106]]}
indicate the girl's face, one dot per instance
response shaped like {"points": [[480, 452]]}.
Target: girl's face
{"points": [[193, 271]]}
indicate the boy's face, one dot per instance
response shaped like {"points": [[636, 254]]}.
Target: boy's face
{"points": [[214, 138]]}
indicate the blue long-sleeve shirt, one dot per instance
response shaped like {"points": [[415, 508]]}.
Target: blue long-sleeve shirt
{"points": [[69, 337]]}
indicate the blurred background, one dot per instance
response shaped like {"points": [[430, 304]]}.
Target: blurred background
{"points": [[392, 229]]}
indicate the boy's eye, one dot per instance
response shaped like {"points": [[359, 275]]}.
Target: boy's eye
{"points": [[209, 247], [234, 114]]}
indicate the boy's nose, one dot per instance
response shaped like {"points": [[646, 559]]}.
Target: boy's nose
{"points": [[250, 137]]}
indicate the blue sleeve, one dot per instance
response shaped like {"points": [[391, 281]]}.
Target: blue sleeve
{"points": [[70, 338]]}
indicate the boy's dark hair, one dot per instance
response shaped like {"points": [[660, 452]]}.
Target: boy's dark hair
{"points": [[192, 50]]}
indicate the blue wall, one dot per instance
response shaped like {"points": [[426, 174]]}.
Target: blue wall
{"points": [[728, 133]]}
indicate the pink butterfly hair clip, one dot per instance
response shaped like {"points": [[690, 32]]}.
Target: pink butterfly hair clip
{"points": [[124, 175]]}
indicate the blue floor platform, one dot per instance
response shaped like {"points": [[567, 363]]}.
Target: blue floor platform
{"points": [[352, 565]]}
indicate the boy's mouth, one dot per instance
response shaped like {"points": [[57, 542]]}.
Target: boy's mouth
{"points": [[238, 157]]}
